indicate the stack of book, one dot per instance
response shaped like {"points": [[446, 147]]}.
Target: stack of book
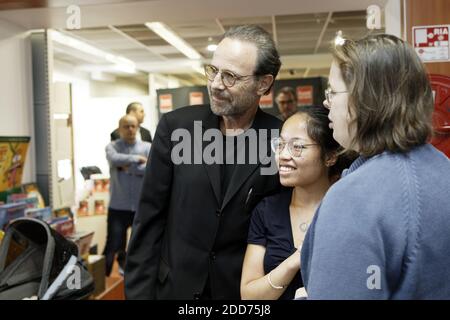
{"points": [[11, 211]]}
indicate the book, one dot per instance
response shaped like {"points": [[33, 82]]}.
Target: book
{"points": [[99, 207], [101, 185], [83, 208], [31, 201], [83, 240], [11, 211], [63, 225], [13, 153], [44, 214], [15, 197], [32, 190], [4, 194], [63, 212]]}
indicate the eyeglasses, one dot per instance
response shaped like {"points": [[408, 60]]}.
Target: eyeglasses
{"points": [[330, 93], [295, 146], [228, 78]]}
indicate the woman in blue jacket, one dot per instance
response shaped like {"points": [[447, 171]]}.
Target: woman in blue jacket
{"points": [[382, 231]]}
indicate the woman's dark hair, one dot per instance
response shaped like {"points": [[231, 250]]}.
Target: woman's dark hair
{"points": [[317, 127]]}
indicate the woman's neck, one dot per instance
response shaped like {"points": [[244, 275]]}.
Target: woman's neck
{"points": [[304, 197]]}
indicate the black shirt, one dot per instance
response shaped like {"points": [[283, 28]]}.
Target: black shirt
{"points": [[270, 226], [229, 162], [236, 151]]}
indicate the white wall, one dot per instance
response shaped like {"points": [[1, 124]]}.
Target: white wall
{"points": [[121, 87], [95, 117], [16, 91], [94, 120], [393, 18]]}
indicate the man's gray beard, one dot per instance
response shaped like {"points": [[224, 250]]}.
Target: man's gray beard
{"points": [[228, 110]]}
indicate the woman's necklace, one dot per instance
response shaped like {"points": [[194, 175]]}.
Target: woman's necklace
{"points": [[304, 226]]}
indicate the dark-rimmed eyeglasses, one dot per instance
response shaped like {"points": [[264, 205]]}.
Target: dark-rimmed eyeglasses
{"points": [[295, 146], [329, 94], [228, 78]]}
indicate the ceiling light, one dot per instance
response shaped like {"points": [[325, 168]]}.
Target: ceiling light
{"points": [[211, 47], [60, 116], [199, 70], [120, 63], [339, 40], [168, 35]]}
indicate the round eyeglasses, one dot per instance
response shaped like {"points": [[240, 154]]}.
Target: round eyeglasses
{"points": [[295, 146], [228, 78], [329, 94]]}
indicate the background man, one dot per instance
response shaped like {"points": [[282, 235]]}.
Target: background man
{"points": [[286, 100], [127, 157], [137, 110]]}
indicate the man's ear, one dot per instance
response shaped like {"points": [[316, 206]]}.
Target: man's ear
{"points": [[264, 83]]}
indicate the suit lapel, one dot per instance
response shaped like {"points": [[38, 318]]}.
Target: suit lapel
{"points": [[213, 170]]}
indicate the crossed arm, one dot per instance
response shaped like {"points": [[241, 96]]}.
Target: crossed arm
{"points": [[255, 283]]}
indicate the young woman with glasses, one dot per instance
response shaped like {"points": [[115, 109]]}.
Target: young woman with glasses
{"points": [[308, 162]]}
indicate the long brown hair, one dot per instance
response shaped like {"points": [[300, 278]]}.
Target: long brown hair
{"points": [[390, 97]]}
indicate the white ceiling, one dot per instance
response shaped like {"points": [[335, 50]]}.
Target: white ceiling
{"points": [[303, 29]]}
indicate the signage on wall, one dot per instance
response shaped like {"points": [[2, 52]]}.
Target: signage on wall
{"points": [[195, 98], [432, 43], [266, 101], [165, 103], [305, 95], [13, 152]]}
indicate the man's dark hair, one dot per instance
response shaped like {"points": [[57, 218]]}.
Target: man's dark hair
{"points": [[288, 91], [268, 58]]}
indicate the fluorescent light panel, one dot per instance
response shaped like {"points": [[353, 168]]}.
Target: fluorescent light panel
{"points": [[168, 35], [212, 47], [120, 63]]}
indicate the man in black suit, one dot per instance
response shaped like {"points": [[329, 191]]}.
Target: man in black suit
{"points": [[137, 110], [190, 232]]}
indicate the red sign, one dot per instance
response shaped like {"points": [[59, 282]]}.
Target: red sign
{"points": [[432, 42], [305, 95], [195, 98], [165, 103], [441, 114]]}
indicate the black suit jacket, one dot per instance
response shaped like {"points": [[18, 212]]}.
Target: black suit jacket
{"points": [[145, 135], [183, 233]]}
